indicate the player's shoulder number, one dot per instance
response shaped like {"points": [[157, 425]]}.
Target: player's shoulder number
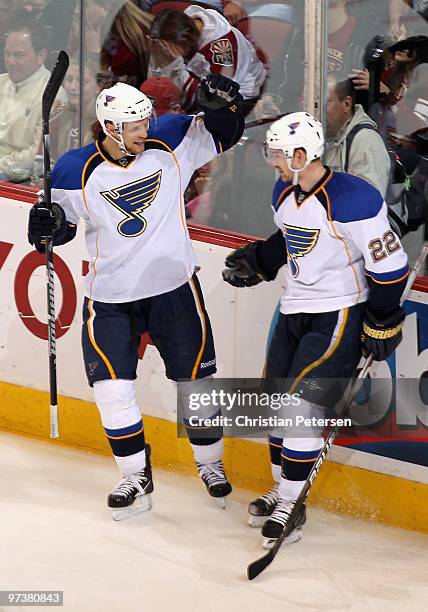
{"points": [[383, 246]]}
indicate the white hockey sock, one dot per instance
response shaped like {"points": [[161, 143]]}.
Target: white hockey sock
{"points": [[300, 449], [132, 463], [118, 408], [208, 453], [276, 472], [290, 489]]}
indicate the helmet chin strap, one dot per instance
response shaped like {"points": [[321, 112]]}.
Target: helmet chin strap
{"points": [[120, 142], [296, 171]]}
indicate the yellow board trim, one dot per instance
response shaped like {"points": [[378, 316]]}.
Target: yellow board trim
{"points": [[94, 343], [339, 488]]}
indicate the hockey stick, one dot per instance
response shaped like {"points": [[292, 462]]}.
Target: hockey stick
{"points": [[257, 566], [264, 120], [49, 95]]}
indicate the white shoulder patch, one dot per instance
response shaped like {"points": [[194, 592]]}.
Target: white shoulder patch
{"points": [[222, 52]]}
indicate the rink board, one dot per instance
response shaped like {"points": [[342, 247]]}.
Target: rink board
{"points": [[355, 482]]}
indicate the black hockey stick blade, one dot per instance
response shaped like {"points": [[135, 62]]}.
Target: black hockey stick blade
{"points": [[256, 567], [54, 83]]}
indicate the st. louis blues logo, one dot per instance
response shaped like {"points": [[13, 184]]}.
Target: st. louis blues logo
{"points": [[222, 52], [132, 199], [300, 241], [293, 127]]}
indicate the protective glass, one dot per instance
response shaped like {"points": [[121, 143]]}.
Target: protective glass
{"points": [[272, 156]]}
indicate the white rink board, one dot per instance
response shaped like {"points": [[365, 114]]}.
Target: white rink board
{"points": [[240, 319], [23, 356]]}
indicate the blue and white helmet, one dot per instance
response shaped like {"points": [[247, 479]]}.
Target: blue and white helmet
{"points": [[297, 131]]}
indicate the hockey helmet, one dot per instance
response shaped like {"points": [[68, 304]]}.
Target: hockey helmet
{"points": [[296, 131], [120, 104]]}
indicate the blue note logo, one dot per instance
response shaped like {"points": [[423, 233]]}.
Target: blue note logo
{"points": [[132, 199], [293, 127], [299, 241]]}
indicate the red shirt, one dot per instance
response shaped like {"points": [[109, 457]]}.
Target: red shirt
{"points": [[338, 43]]}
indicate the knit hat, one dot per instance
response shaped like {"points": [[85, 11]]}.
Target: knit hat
{"points": [[163, 93]]}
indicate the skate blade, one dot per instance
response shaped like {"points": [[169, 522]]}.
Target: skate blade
{"points": [[295, 536], [256, 521], [220, 502], [142, 503]]}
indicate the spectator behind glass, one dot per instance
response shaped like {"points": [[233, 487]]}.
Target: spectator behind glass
{"points": [[187, 45], [202, 193], [402, 108], [21, 89], [347, 38], [346, 42], [65, 126], [164, 94], [231, 9], [58, 16], [34, 7], [368, 157], [125, 50], [407, 18]]}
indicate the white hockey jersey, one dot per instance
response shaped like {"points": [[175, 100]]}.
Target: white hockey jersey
{"points": [[220, 46], [336, 236], [136, 231]]}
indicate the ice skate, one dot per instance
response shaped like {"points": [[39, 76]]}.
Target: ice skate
{"points": [[262, 507], [215, 481], [132, 495], [274, 525]]}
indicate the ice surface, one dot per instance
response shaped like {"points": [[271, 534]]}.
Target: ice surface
{"points": [[187, 554]]}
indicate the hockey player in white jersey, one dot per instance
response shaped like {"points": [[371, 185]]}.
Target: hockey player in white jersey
{"points": [[345, 272], [128, 188]]}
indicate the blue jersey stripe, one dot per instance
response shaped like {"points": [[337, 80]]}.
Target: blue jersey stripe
{"points": [[125, 431], [295, 455], [277, 442], [388, 277]]}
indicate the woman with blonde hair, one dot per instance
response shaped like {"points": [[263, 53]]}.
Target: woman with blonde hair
{"points": [[124, 46], [66, 123]]}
